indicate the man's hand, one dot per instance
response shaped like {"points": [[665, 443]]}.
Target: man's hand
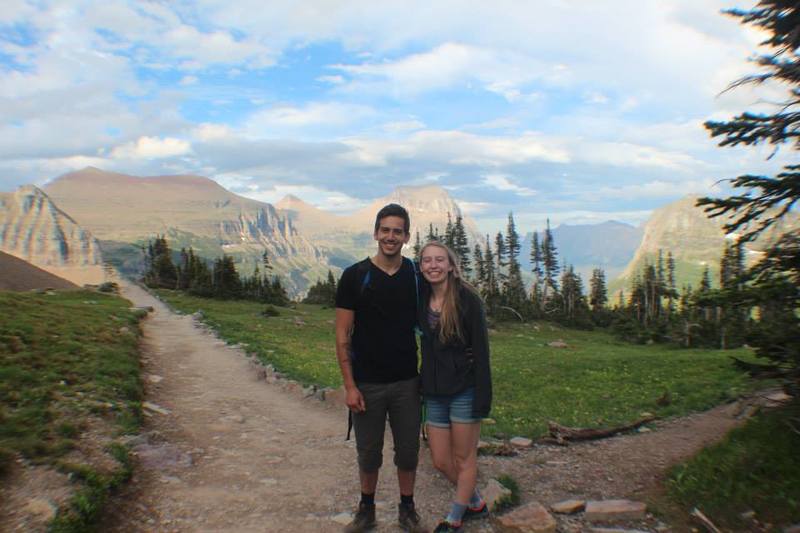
{"points": [[355, 401]]}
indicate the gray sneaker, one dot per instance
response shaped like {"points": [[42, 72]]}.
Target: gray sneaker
{"points": [[409, 520], [364, 520]]}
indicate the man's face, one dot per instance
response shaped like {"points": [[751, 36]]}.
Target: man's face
{"points": [[391, 235]]}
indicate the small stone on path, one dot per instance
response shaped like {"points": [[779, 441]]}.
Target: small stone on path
{"points": [[150, 406], [610, 510], [530, 518], [493, 492], [521, 442], [342, 518], [568, 506]]}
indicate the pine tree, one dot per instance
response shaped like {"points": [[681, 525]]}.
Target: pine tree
{"points": [[514, 289], [461, 246], [549, 263], [672, 291], [598, 295], [417, 247], [500, 258], [538, 275], [772, 285], [490, 288], [480, 269], [227, 283], [433, 234], [449, 239], [161, 271]]}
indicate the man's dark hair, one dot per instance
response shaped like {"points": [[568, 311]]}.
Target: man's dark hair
{"points": [[393, 210]]}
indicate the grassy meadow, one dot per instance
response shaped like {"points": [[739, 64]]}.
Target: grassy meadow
{"points": [[756, 468], [68, 364], [595, 381]]}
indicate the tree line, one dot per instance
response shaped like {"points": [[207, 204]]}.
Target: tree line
{"points": [[218, 279]]}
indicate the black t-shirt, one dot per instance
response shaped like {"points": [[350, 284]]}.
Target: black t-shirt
{"points": [[384, 344]]}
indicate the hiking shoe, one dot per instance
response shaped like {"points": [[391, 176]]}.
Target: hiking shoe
{"points": [[446, 527], [408, 518], [364, 520], [474, 514]]}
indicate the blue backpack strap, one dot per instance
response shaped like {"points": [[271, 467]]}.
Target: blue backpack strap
{"points": [[365, 273]]}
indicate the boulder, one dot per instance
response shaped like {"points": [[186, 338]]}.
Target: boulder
{"points": [[612, 510], [530, 518], [493, 493], [521, 442], [568, 506]]}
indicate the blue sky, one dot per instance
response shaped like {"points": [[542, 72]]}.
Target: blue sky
{"points": [[573, 110]]}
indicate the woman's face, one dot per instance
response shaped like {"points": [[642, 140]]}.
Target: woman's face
{"points": [[435, 265]]}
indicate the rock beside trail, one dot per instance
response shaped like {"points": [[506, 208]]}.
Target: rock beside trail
{"points": [[568, 506], [494, 492], [530, 518], [612, 510], [521, 442]]}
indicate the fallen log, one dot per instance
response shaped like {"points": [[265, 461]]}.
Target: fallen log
{"points": [[561, 434]]}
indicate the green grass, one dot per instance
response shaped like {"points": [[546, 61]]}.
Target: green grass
{"points": [[512, 499], [67, 358], [596, 381], [63, 357], [755, 468]]}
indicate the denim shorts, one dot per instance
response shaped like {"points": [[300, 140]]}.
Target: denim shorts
{"points": [[440, 411]]}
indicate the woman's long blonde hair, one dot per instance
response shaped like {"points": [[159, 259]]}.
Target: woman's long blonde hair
{"points": [[449, 320]]}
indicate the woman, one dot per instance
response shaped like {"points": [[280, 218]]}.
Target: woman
{"points": [[456, 379]]}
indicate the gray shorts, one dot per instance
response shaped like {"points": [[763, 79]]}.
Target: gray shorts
{"points": [[400, 402]]}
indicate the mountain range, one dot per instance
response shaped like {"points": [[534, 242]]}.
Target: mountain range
{"points": [[83, 212], [33, 229]]}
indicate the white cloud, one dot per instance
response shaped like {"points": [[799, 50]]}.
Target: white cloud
{"points": [[656, 189], [403, 126], [213, 132], [503, 183], [151, 148], [625, 154], [473, 208], [325, 199], [313, 115], [458, 148], [332, 79]]}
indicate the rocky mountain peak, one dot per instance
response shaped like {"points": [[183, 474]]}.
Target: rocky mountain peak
{"points": [[34, 229]]}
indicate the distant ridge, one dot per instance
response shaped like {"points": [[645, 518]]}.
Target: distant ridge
{"points": [[19, 275], [126, 211], [35, 230]]}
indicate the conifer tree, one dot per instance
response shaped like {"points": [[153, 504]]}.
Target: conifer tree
{"points": [[449, 239], [761, 201], [490, 288], [461, 246], [598, 295], [417, 247], [500, 259], [480, 270], [672, 291], [549, 262], [514, 289]]}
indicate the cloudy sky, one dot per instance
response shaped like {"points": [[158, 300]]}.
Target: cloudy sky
{"points": [[578, 110]]}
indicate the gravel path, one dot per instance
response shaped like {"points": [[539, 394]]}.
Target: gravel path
{"points": [[235, 454]]}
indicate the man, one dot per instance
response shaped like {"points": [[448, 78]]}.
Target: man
{"points": [[377, 352]]}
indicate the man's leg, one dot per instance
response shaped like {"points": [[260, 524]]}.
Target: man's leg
{"points": [[404, 419], [369, 427]]}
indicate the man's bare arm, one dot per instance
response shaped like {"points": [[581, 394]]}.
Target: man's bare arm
{"points": [[344, 330]]}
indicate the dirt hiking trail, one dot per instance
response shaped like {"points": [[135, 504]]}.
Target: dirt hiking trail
{"points": [[230, 453]]}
